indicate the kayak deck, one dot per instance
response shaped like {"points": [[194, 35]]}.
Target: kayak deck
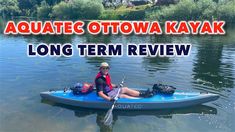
{"points": [[91, 100]]}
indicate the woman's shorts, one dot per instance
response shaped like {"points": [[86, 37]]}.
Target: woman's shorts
{"points": [[114, 92]]}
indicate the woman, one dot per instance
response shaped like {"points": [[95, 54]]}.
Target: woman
{"points": [[109, 91]]}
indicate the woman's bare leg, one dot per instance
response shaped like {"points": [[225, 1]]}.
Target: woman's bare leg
{"points": [[127, 96], [130, 92]]}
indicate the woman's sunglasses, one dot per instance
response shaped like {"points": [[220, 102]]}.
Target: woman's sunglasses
{"points": [[105, 68]]}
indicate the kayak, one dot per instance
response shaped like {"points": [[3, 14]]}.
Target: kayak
{"points": [[158, 101]]}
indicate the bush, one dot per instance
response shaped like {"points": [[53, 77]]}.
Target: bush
{"points": [[92, 10], [133, 15], [44, 10], [9, 7], [190, 10], [62, 10], [226, 11], [109, 15], [206, 9], [184, 10], [123, 15], [78, 9]]}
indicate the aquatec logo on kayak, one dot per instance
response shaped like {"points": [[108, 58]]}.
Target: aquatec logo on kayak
{"points": [[129, 106]]}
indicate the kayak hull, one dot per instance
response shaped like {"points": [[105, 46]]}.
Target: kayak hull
{"points": [[91, 100]]}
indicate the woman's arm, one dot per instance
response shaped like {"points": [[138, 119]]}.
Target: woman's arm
{"points": [[114, 86], [101, 94]]}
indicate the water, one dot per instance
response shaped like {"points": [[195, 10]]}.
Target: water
{"points": [[209, 68]]}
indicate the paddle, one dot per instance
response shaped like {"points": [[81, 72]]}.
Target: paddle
{"points": [[108, 119]]}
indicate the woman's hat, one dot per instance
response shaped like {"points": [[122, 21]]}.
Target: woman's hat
{"points": [[104, 64]]}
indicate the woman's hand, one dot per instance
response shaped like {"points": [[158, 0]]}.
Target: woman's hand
{"points": [[114, 86], [101, 94]]}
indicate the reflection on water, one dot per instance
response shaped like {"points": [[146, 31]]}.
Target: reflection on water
{"points": [[48, 39], [156, 63], [95, 61], [160, 39], [209, 69], [100, 114], [97, 38]]}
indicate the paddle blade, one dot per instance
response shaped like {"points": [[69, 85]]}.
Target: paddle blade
{"points": [[108, 119]]}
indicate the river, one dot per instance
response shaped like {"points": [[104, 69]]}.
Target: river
{"points": [[210, 67]]}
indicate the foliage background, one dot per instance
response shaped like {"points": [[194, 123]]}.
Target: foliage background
{"points": [[94, 9]]}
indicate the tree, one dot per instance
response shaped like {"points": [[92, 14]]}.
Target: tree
{"points": [[61, 10], [53, 2], [9, 7], [27, 7], [78, 9], [44, 10]]}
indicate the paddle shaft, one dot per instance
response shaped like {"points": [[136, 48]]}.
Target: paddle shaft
{"points": [[110, 111], [119, 89]]}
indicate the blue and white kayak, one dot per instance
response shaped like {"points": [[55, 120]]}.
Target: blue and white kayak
{"points": [[91, 100]]}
